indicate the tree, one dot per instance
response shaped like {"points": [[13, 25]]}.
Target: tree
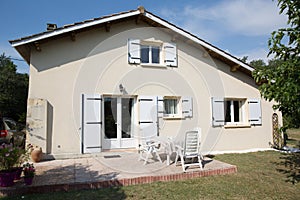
{"points": [[13, 90], [257, 63], [244, 59], [281, 78]]}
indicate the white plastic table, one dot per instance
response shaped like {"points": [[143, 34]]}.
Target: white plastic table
{"points": [[169, 147], [150, 147]]}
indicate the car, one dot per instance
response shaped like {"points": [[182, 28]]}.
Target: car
{"points": [[10, 133]]}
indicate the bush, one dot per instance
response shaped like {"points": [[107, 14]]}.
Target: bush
{"points": [[10, 156]]}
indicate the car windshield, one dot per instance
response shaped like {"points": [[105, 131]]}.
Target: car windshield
{"points": [[11, 124], [1, 124]]}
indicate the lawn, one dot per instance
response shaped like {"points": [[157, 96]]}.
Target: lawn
{"points": [[261, 175]]}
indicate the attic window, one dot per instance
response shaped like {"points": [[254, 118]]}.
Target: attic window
{"points": [[150, 54], [154, 52]]}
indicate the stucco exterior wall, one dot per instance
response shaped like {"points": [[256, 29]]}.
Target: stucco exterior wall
{"points": [[97, 63]]}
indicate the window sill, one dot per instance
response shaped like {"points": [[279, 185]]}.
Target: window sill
{"points": [[153, 65], [172, 117], [237, 126]]}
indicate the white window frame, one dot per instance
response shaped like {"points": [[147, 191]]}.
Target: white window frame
{"points": [[178, 113], [242, 111], [150, 52], [251, 112], [150, 45], [167, 53]]}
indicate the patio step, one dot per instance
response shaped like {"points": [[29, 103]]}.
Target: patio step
{"points": [[21, 189]]}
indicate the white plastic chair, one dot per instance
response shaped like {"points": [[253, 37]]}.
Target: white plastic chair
{"points": [[190, 151], [149, 148]]}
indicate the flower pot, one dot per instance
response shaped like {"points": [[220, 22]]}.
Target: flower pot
{"points": [[7, 178], [18, 172], [28, 180], [36, 154]]}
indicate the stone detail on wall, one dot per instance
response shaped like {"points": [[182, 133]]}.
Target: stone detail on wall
{"points": [[37, 124]]}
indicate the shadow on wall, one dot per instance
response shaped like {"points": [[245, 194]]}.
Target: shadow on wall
{"points": [[64, 50], [49, 128]]}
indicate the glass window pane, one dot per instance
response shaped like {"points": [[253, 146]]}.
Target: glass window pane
{"points": [[170, 106], [127, 117], [110, 117], [155, 54], [144, 54], [236, 108], [172, 109], [167, 107], [241, 104], [227, 111]]}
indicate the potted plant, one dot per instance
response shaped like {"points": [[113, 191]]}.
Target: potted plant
{"points": [[29, 172], [23, 158], [35, 152], [10, 158]]}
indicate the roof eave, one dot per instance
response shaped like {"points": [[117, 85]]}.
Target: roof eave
{"points": [[46, 35], [199, 41], [21, 42]]}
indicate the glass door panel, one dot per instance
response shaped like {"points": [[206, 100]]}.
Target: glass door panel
{"points": [[110, 118], [127, 118], [118, 122]]}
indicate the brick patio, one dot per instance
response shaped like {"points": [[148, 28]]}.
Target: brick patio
{"points": [[107, 170]]}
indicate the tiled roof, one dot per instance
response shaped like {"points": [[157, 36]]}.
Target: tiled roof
{"points": [[68, 26]]}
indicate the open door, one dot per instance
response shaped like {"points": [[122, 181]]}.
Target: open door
{"points": [[91, 123]]}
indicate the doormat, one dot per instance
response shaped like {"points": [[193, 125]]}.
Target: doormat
{"points": [[112, 156]]}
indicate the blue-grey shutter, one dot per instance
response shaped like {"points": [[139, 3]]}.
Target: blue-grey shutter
{"points": [[147, 117], [160, 106], [170, 51], [187, 107], [91, 123], [218, 117], [134, 53], [254, 111]]}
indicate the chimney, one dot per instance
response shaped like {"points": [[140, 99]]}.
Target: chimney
{"points": [[51, 27], [141, 9]]}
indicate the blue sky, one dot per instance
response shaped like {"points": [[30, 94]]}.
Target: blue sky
{"points": [[240, 27]]}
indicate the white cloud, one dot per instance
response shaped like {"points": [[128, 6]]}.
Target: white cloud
{"points": [[239, 17], [256, 54], [255, 17]]}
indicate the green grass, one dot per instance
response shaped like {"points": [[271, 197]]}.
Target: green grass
{"points": [[293, 137], [261, 175]]}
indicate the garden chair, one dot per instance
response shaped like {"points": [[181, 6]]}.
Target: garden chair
{"points": [[149, 148], [190, 152]]}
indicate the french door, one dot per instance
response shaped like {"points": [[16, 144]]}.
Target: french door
{"points": [[118, 121]]}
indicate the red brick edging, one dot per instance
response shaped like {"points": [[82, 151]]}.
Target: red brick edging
{"points": [[11, 191]]}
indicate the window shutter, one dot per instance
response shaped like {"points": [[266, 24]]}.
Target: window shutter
{"points": [[254, 111], [187, 107], [147, 117], [134, 54], [91, 123], [218, 118], [160, 106], [170, 51]]}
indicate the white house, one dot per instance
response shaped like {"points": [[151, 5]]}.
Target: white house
{"points": [[111, 82]]}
